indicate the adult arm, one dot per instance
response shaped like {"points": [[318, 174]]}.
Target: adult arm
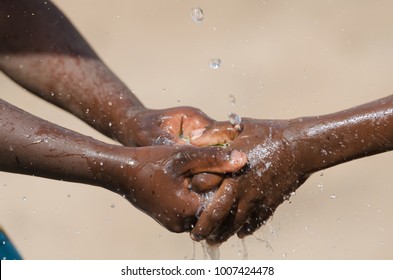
{"points": [[282, 154], [154, 179], [42, 51]]}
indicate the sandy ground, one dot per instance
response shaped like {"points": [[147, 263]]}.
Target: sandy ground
{"points": [[280, 59]]}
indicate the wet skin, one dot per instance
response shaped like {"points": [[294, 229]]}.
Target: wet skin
{"points": [[157, 180], [282, 154], [42, 51], [59, 66]]}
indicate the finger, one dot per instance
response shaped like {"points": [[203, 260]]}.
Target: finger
{"points": [[219, 235], [179, 122], [218, 133], [211, 160], [216, 211], [194, 119], [205, 182], [255, 221], [230, 226]]}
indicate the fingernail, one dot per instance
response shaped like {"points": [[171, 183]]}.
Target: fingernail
{"points": [[238, 157], [197, 133], [196, 237]]}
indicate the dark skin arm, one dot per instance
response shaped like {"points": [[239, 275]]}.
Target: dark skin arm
{"points": [[154, 179], [282, 154], [43, 52]]}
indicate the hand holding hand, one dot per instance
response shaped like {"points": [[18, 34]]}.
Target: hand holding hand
{"points": [[178, 125], [157, 180]]}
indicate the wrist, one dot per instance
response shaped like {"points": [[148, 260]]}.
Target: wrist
{"points": [[115, 168]]}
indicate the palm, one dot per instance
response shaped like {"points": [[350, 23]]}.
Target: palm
{"points": [[167, 126]]}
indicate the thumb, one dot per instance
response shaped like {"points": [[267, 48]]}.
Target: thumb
{"points": [[218, 133], [212, 160]]}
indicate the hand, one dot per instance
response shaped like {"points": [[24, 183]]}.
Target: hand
{"points": [[244, 202], [178, 125], [157, 180]]}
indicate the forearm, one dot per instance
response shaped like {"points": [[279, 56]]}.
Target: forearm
{"points": [[29, 145], [42, 51], [325, 141]]}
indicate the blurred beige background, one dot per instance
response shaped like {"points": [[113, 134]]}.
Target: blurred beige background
{"points": [[280, 59]]}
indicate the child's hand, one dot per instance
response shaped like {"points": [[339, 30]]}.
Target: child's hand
{"points": [[180, 125], [158, 180], [244, 202]]}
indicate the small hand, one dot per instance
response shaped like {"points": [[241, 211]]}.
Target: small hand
{"points": [[244, 202], [157, 180], [178, 125]]}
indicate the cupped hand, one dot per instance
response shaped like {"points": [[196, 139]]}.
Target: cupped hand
{"points": [[170, 126], [157, 180], [244, 201]]}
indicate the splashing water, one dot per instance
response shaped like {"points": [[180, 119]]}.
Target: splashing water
{"points": [[244, 252], [197, 14], [211, 251]]}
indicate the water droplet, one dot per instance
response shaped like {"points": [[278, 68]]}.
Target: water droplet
{"points": [[68, 195], [24, 198], [101, 163], [235, 120], [197, 14], [3, 242], [113, 205], [232, 99], [110, 103], [215, 63], [333, 196]]}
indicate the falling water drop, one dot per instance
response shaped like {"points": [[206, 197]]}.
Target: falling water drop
{"points": [[232, 99], [197, 14], [235, 120], [215, 63]]}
